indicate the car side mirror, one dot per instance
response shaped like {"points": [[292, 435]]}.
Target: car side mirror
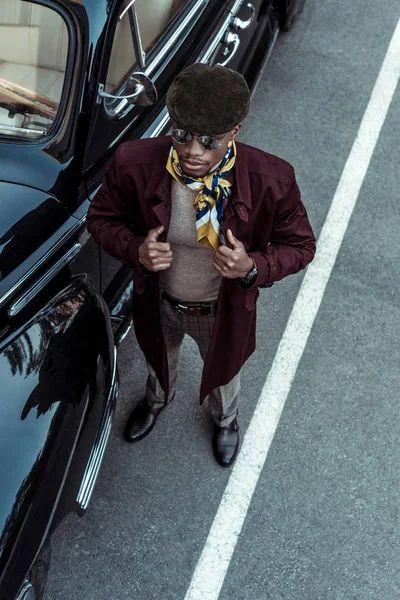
{"points": [[139, 91]]}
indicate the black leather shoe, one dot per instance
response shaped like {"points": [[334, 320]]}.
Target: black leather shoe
{"points": [[225, 443], [141, 421]]}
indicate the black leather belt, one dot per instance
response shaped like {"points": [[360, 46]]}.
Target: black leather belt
{"points": [[191, 308]]}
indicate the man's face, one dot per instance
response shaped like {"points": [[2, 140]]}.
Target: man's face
{"points": [[197, 162]]}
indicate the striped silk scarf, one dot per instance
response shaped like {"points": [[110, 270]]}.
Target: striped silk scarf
{"points": [[213, 194]]}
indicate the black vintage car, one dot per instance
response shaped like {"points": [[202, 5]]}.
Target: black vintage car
{"points": [[78, 77]]}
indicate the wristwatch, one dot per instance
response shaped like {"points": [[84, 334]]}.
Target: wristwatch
{"points": [[251, 276]]}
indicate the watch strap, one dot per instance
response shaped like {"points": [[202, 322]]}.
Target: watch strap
{"points": [[251, 276]]}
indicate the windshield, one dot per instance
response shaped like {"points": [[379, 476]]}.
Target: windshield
{"points": [[33, 59]]}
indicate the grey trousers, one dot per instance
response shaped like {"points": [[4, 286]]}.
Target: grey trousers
{"points": [[223, 401]]}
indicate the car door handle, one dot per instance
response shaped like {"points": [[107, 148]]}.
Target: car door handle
{"points": [[239, 24], [230, 38], [34, 289]]}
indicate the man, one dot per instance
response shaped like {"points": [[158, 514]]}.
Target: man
{"points": [[204, 222]]}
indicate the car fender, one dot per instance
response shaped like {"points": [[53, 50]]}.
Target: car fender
{"points": [[56, 371]]}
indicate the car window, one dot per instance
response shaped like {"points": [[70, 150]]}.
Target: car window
{"points": [[151, 18], [154, 16], [33, 58], [123, 57]]}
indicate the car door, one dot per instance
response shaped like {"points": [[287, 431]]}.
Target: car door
{"points": [[158, 39], [57, 359]]}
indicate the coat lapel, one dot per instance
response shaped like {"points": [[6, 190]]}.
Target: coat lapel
{"points": [[241, 193], [163, 214], [159, 190]]}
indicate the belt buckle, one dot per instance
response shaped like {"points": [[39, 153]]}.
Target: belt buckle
{"points": [[182, 308], [197, 311]]}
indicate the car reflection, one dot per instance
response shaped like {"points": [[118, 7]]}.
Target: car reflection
{"points": [[71, 337], [58, 352], [27, 233]]}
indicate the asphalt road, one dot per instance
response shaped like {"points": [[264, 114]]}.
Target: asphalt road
{"points": [[323, 523]]}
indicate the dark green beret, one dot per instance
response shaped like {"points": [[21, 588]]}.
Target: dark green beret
{"points": [[208, 100]]}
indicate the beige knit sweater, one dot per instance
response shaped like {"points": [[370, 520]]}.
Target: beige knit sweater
{"points": [[191, 276]]}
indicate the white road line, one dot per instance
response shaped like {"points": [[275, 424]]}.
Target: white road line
{"points": [[214, 561]]}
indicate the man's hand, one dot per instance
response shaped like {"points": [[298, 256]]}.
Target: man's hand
{"points": [[232, 262], [154, 255]]}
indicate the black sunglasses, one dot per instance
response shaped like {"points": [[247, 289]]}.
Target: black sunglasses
{"points": [[207, 142]]}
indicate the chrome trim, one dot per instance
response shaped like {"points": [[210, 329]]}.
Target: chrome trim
{"points": [[230, 38], [121, 16], [137, 40], [124, 332], [162, 123], [121, 327], [189, 17], [22, 129], [96, 456], [239, 24], [145, 93], [206, 55], [23, 300], [102, 94], [236, 7], [27, 592], [77, 225], [124, 298]]}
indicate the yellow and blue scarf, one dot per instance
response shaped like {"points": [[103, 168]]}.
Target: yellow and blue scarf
{"points": [[213, 194]]}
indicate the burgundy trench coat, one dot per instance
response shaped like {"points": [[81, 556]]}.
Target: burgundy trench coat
{"points": [[265, 213]]}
